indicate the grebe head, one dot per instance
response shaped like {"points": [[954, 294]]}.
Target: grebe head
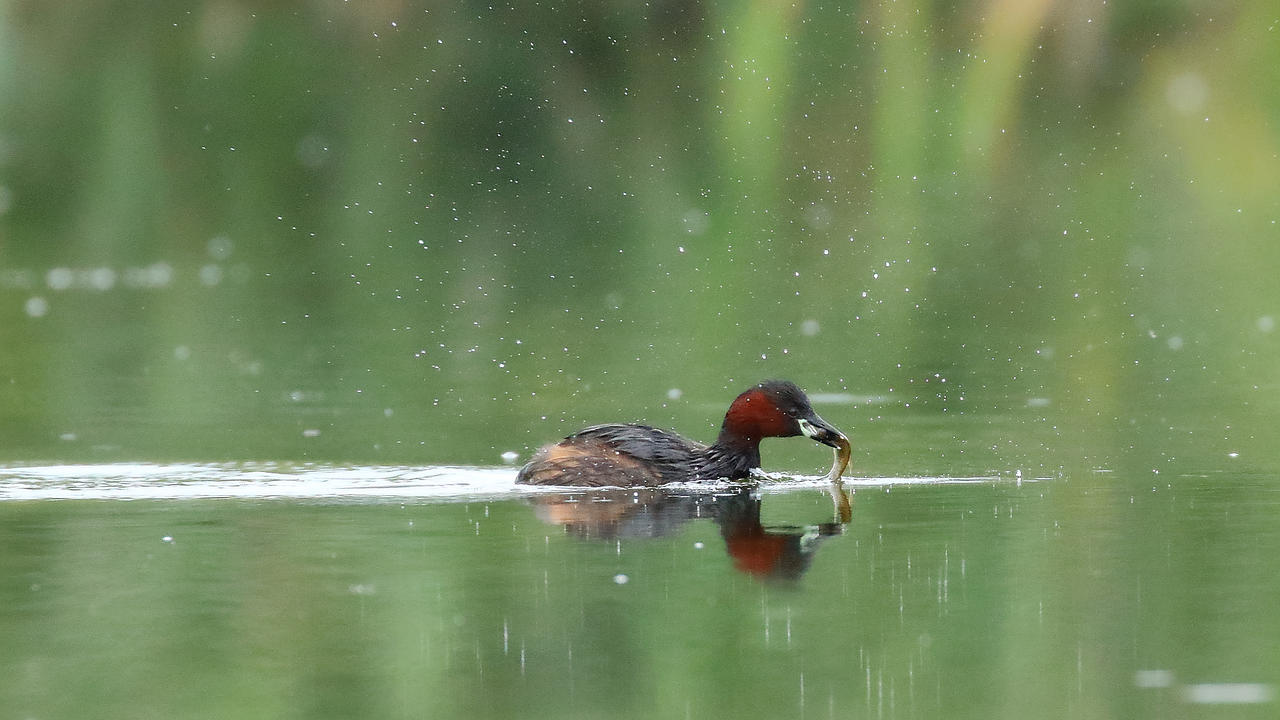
{"points": [[776, 408]]}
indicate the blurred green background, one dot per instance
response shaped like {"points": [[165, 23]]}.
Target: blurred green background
{"points": [[1016, 236], [986, 235]]}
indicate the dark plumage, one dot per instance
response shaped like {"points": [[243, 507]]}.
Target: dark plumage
{"points": [[631, 455]]}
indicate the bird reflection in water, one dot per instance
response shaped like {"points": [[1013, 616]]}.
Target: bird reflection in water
{"points": [[772, 553]]}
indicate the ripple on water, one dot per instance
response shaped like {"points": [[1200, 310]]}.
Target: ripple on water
{"points": [[152, 481]]}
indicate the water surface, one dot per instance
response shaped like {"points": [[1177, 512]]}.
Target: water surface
{"points": [[323, 591]]}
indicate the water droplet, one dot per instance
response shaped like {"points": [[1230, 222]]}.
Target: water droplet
{"points": [[59, 278], [36, 307], [220, 247], [210, 275]]}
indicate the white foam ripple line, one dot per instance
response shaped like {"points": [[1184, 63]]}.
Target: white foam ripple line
{"points": [[149, 481], [247, 481]]}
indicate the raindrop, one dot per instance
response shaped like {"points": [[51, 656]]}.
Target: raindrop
{"points": [[156, 275], [210, 275], [220, 247], [1153, 678], [36, 307], [1228, 693], [102, 278], [1187, 92], [695, 222], [312, 151], [59, 278]]}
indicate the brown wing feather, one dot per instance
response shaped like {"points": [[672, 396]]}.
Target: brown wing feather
{"points": [[624, 455], [585, 463]]}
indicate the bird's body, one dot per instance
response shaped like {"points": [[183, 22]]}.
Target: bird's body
{"points": [[640, 455]]}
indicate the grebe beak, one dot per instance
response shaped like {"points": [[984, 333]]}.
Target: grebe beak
{"points": [[820, 430]]}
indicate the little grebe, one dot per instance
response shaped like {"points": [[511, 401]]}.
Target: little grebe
{"points": [[640, 455]]}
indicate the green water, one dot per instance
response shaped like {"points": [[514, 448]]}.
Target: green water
{"points": [[1030, 242], [1079, 597]]}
